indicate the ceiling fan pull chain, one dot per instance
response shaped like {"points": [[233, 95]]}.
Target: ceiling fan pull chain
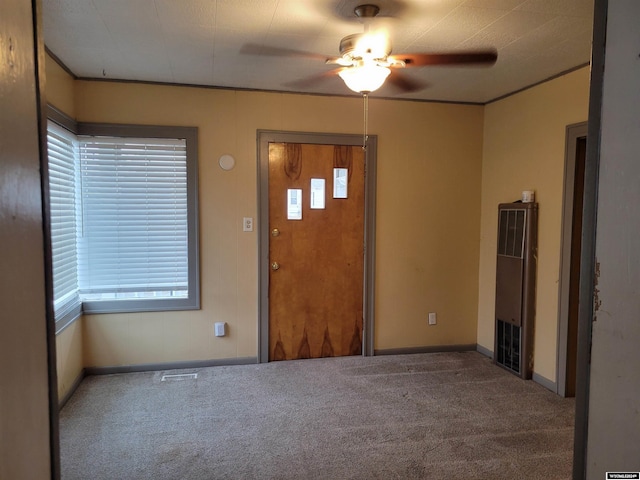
{"points": [[365, 137]]}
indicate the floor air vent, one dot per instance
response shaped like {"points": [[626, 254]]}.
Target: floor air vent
{"points": [[515, 287], [179, 376]]}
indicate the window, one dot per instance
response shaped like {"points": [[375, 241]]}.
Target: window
{"points": [[63, 179], [126, 239]]}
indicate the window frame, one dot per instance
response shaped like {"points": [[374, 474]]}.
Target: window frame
{"points": [[190, 135]]}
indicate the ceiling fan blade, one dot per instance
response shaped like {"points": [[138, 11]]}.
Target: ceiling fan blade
{"points": [[313, 79], [404, 83], [256, 49], [485, 57]]}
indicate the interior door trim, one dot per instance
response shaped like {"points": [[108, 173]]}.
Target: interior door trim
{"points": [[264, 137], [588, 251]]}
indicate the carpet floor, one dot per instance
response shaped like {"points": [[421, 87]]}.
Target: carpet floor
{"points": [[423, 416]]}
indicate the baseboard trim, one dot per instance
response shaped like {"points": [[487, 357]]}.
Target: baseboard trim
{"points": [[74, 386], [484, 351], [152, 367], [545, 382], [430, 349]]}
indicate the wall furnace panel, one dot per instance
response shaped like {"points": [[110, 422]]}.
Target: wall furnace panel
{"points": [[515, 287]]}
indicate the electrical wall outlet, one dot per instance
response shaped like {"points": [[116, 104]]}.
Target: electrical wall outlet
{"points": [[432, 318], [247, 224], [220, 329]]}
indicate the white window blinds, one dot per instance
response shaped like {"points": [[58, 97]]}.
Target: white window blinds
{"points": [[63, 178], [134, 237]]}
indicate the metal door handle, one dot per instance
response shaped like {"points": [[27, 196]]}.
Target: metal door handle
{"points": [[275, 266]]}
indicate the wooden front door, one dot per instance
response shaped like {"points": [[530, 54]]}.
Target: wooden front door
{"points": [[316, 251]]}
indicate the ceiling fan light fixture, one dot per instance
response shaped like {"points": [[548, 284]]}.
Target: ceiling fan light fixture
{"points": [[364, 78]]}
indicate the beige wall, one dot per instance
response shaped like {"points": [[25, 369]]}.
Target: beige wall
{"points": [[60, 88], [435, 229], [69, 357], [429, 164], [524, 143], [427, 223]]}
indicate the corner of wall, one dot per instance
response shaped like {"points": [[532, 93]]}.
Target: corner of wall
{"points": [[60, 89], [70, 358], [524, 149]]}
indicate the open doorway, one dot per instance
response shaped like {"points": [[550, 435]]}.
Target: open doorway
{"points": [[575, 153]]}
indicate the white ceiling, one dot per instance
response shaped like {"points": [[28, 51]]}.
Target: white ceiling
{"points": [[198, 42]]}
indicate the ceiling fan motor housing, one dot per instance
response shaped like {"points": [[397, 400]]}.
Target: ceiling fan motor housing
{"points": [[361, 45], [366, 11]]}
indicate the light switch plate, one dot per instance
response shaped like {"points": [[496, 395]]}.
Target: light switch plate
{"points": [[247, 224]]}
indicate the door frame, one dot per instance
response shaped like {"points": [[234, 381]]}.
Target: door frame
{"points": [[264, 137], [573, 133]]}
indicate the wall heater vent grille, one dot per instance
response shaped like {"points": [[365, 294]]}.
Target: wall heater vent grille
{"points": [[508, 346], [511, 235], [515, 287]]}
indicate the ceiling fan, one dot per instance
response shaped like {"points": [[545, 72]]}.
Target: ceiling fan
{"points": [[365, 60]]}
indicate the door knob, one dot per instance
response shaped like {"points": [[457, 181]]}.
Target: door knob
{"points": [[275, 266], [275, 232]]}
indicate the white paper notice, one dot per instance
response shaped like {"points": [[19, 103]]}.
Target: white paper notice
{"points": [[317, 193], [340, 176], [294, 204]]}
